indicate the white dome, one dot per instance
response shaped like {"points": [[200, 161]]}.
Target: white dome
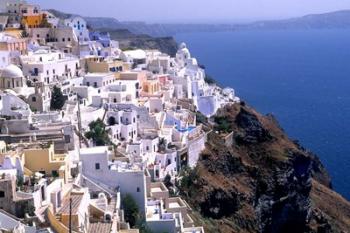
{"points": [[185, 52], [183, 45], [12, 71]]}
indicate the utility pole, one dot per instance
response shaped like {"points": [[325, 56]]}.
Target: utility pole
{"points": [[70, 215], [79, 122]]}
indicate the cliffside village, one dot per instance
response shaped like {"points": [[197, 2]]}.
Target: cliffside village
{"points": [[53, 176]]}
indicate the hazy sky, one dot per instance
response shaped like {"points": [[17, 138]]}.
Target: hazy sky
{"points": [[195, 10]]}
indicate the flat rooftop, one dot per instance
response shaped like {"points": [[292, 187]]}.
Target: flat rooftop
{"points": [[94, 150], [156, 190]]}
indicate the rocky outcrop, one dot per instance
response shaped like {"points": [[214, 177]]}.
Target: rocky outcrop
{"points": [[263, 182], [126, 36]]}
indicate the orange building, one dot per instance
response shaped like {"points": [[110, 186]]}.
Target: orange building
{"points": [[32, 17], [151, 86], [33, 21]]}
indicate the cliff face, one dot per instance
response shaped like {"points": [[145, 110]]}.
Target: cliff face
{"points": [[129, 40], [261, 181], [125, 34]]}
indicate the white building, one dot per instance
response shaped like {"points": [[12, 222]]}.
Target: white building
{"points": [[49, 66], [13, 106], [4, 59], [12, 78], [122, 124], [124, 91], [98, 80], [114, 176], [136, 57], [79, 26]]}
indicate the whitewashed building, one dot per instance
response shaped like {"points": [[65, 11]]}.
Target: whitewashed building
{"points": [[114, 176], [49, 66], [79, 26]]}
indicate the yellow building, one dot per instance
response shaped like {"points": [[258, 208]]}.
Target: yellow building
{"points": [[46, 161], [101, 65]]}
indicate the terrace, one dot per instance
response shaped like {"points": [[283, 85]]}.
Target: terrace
{"points": [[159, 191], [176, 205]]}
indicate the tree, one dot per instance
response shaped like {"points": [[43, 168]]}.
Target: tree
{"points": [[141, 224], [167, 181], [19, 181], [57, 99], [162, 145], [170, 186], [97, 133], [208, 79], [45, 23], [189, 179], [131, 210]]}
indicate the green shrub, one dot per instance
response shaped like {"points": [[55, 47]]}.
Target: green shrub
{"points": [[97, 133], [131, 210]]}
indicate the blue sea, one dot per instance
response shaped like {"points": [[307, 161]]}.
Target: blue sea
{"points": [[302, 77]]}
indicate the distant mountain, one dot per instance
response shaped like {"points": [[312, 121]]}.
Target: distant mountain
{"points": [[158, 36], [338, 19]]}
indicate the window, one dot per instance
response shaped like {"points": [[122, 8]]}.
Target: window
{"points": [[97, 166], [138, 189], [54, 173], [33, 99], [63, 39], [2, 194]]}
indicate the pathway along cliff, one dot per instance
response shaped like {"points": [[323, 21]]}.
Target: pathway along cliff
{"points": [[259, 180]]}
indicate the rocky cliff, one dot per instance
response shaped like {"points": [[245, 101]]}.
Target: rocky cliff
{"points": [[258, 180], [127, 38]]}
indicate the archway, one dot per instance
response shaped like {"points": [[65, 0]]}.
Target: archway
{"points": [[111, 121]]}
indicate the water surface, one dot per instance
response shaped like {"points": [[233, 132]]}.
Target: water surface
{"points": [[302, 77]]}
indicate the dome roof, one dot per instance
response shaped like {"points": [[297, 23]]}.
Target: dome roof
{"points": [[12, 71], [183, 45], [185, 52]]}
